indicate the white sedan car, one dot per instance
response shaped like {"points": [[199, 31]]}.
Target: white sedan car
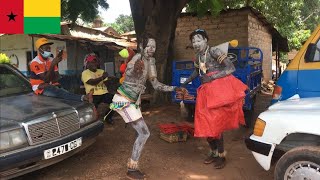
{"points": [[289, 130]]}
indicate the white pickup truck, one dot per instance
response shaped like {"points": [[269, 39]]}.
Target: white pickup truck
{"points": [[290, 130]]}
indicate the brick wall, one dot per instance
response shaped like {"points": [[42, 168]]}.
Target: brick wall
{"points": [[240, 25], [220, 29], [260, 37]]}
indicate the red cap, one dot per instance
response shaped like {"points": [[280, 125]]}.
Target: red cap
{"points": [[91, 58]]}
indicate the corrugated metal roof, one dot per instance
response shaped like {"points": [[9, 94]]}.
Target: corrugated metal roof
{"points": [[101, 37], [88, 35], [98, 42], [101, 28], [129, 33]]}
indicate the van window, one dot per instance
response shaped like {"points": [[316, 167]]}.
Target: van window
{"points": [[316, 57]]}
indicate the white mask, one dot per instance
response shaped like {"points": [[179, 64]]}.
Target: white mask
{"points": [[199, 43], [150, 49], [46, 54]]}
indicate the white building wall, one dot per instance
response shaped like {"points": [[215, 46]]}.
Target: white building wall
{"points": [[19, 44]]}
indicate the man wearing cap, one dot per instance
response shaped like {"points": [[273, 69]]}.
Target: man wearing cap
{"points": [[44, 74], [94, 78]]}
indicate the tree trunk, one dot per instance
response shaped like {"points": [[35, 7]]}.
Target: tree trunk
{"points": [[158, 18]]}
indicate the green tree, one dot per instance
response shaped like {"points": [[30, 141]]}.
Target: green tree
{"points": [[203, 6], [298, 38], [86, 10], [310, 14], [293, 19], [123, 23]]}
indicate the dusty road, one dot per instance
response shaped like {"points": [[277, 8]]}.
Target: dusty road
{"points": [[107, 158]]}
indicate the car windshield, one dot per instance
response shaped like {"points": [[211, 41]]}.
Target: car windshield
{"points": [[12, 83]]}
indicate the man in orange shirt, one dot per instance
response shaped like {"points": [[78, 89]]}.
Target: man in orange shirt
{"points": [[44, 74]]}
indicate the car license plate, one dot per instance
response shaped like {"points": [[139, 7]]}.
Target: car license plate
{"points": [[62, 149]]}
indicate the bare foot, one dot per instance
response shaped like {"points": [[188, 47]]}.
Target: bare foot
{"points": [[95, 111], [89, 97]]}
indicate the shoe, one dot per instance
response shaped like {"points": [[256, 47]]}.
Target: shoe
{"points": [[135, 175], [220, 162], [211, 158]]}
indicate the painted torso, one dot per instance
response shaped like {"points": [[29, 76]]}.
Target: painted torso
{"points": [[134, 84], [210, 63]]}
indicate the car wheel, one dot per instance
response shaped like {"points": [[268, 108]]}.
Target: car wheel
{"points": [[299, 163]]}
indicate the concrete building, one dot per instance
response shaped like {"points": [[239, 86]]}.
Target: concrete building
{"points": [[75, 42], [19, 48]]}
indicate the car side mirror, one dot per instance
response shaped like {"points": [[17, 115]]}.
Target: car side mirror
{"points": [[311, 50]]}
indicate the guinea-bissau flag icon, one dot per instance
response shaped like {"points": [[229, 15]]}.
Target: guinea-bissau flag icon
{"points": [[30, 16]]}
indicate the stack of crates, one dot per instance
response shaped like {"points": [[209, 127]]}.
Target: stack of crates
{"points": [[248, 66], [181, 71]]}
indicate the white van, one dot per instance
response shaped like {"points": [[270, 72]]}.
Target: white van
{"points": [[289, 130]]}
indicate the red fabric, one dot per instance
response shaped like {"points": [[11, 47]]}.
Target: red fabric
{"points": [[123, 68], [131, 54], [13, 26], [219, 107], [170, 128]]}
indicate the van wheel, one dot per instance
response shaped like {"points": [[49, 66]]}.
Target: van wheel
{"points": [[299, 163]]}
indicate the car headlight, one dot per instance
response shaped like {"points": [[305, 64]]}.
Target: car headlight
{"points": [[12, 139], [259, 127], [86, 116]]}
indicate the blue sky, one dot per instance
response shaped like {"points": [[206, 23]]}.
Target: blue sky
{"points": [[116, 7]]}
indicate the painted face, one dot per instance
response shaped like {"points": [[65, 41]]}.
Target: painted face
{"points": [[150, 48], [199, 43]]}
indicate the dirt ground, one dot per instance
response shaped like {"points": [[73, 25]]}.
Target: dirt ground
{"points": [[106, 159]]}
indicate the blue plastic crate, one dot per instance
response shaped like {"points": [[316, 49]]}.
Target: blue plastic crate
{"points": [[181, 71]]}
